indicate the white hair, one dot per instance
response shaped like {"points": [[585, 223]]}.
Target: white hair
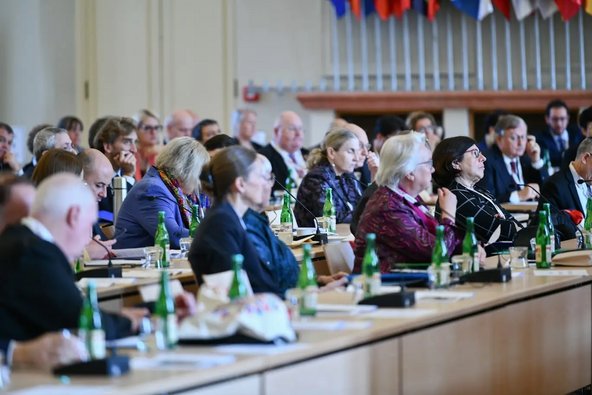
{"points": [[45, 140], [398, 157], [58, 193], [183, 158]]}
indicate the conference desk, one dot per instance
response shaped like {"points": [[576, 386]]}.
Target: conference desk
{"points": [[530, 335]]}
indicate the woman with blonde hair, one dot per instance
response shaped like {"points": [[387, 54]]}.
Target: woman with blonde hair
{"points": [[171, 185], [149, 139], [331, 166]]}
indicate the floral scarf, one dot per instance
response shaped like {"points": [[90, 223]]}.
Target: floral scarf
{"points": [[184, 202]]}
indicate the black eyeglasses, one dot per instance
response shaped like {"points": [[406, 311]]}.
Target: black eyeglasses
{"points": [[150, 128], [475, 152]]}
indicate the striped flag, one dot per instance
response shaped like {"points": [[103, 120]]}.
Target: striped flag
{"points": [[504, 6], [522, 8], [339, 7], [547, 8]]}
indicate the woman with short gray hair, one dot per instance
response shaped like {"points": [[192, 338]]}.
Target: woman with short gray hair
{"points": [[405, 230], [170, 186]]}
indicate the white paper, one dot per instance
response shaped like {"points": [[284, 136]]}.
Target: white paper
{"points": [[400, 313], [105, 282], [151, 292], [177, 361], [62, 390], [330, 325], [154, 273], [260, 349], [115, 262], [349, 309], [443, 295], [131, 342], [568, 273], [129, 253], [223, 280]]}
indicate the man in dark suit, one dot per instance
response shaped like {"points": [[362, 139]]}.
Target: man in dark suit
{"points": [[285, 151], [558, 137], [8, 160], [514, 159], [117, 140], [562, 188], [585, 125], [38, 292]]}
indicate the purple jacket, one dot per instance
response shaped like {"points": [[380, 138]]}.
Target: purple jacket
{"points": [[138, 216], [402, 234]]}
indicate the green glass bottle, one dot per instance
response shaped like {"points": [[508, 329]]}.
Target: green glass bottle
{"points": [[547, 162], [290, 183], [470, 245], [550, 226], [161, 239], [370, 268], [165, 330], [543, 243], [286, 220], [194, 220], [307, 282], [588, 224], [90, 327], [438, 273], [79, 265], [329, 211], [238, 289]]}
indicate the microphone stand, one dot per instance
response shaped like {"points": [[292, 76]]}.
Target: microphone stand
{"points": [[102, 272], [319, 236]]}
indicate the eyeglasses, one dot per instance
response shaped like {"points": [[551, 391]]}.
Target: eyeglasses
{"points": [[270, 178], [475, 152], [150, 128]]}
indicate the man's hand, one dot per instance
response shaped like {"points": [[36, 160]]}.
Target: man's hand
{"points": [[527, 193], [185, 305], [49, 350], [373, 163], [533, 150], [95, 251], [11, 161], [126, 161]]}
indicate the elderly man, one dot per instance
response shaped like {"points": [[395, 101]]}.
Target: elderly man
{"points": [[38, 294], [285, 151], [515, 160], [8, 161], [245, 129], [117, 140], [558, 137], [180, 123], [49, 138]]}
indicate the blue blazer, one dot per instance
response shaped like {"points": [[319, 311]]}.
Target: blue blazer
{"points": [[221, 235], [547, 142], [560, 190], [499, 182], [138, 216]]}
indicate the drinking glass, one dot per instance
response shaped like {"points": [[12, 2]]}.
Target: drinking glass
{"points": [[185, 245], [518, 257], [153, 257]]}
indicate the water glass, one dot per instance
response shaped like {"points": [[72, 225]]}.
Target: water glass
{"points": [[153, 257], [460, 265], [439, 277], [293, 300], [185, 245], [518, 257], [323, 224]]}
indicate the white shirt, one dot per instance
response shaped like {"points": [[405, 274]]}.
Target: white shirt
{"points": [[519, 176], [581, 189], [300, 162], [38, 229]]}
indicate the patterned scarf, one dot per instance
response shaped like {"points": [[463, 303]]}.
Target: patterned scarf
{"points": [[184, 202]]}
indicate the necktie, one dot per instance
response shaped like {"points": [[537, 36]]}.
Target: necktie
{"points": [[560, 144], [293, 158], [514, 166]]}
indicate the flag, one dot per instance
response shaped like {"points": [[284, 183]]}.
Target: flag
{"points": [[356, 8], [368, 7], [504, 6], [339, 7], [568, 8], [383, 8], [589, 6], [547, 8], [475, 8], [400, 6], [522, 8], [433, 7]]}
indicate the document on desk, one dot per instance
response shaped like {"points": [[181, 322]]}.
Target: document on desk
{"points": [[153, 273], [443, 295], [181, 361], [115, 262], [344, 309], [330, 325], [399, 313], [105, 282], [259, 349], [130, 253], [566, 273], [62, 390]]}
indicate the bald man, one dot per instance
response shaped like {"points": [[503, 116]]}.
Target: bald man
{"points": [[16, 199], [179, 124], [98, 172], [38, 294], [369, 161], [285, 151]]}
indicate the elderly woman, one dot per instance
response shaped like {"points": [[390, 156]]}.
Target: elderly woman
{"points": [[170, 186], [405, 230], [331, 166], [459, 166]]}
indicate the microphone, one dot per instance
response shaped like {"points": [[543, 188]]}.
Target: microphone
{"points": [[103, 272], [582, 181], [320, 237]]}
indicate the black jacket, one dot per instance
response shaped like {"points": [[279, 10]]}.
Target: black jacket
{"points": [[278, 166]]}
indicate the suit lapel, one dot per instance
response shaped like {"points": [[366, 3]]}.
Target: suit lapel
{"points": [[572, 189]]}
